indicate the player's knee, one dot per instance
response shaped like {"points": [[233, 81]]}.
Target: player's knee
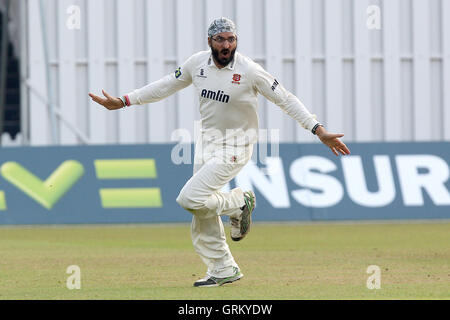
{"points": [[181, 200], [186, 202]]}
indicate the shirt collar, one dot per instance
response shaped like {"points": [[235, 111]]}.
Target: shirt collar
{"points": [[228, 66]]}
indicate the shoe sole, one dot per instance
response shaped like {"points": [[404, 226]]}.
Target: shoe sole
{"points": [[249, 218], [233, 280], [238, 277], [208, 286]]}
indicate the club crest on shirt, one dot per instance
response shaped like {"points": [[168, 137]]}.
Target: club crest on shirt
{"points": [[236, 78]]}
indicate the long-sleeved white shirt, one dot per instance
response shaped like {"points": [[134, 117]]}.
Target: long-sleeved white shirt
{"points": [[227, 96]]}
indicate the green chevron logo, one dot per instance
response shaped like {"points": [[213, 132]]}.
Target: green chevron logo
{"points": [[50, 191], [47, 192]]}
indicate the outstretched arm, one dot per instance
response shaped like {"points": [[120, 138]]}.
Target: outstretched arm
{"points": [[152, 92], [270, 88]]}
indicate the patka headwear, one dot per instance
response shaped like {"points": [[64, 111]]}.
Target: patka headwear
{"points": [[221, 25]]}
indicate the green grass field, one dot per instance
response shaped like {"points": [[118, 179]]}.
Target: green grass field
{"points": [[279, 261]]}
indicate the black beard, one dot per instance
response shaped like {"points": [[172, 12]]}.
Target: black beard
{"points": [[222, 62]]}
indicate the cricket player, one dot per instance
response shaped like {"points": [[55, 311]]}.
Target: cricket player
{"points": [[227, 84]]}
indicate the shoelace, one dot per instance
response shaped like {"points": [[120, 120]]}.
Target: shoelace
{"points": [[234, 222]]}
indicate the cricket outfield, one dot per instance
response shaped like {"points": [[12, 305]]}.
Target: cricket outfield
{"points": [[279, 261]]}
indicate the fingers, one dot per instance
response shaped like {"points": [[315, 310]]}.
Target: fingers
{"points": [[345, 149], [337, 150], [94, 97], [97, 99], [334, 151], [339, 147], [106, 94], [342, 148]]}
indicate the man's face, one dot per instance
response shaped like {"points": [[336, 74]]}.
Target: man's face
{"points": [[223, 47]]}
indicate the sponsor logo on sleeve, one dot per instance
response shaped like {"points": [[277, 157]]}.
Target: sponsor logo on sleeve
{"points": [[178, 73], [275, 85]]}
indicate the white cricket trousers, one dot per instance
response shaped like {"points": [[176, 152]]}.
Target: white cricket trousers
{"points": [[214, 167]]}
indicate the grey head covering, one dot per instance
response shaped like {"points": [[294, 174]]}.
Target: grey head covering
{"points": [[221, 25]]}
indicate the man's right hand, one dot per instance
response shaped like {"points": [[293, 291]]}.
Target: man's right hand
{"points": [[110, 103]]}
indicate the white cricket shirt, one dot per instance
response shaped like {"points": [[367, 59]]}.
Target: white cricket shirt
{"points": [[227, 96]]}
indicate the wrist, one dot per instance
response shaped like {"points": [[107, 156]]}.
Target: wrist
{"points": [[318, 129], [125, 101]]}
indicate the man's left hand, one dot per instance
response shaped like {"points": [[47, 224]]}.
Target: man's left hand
{"points": [[332, 141]]}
